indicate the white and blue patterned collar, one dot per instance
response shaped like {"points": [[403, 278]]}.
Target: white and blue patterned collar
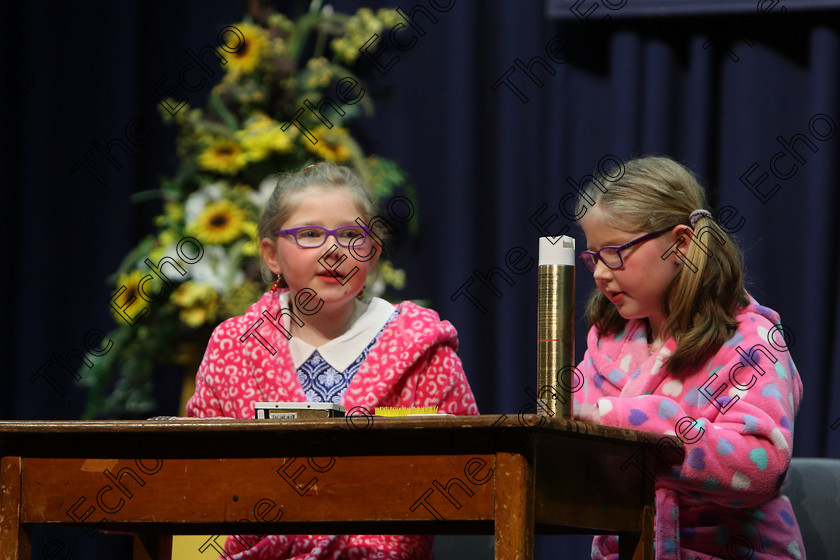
{"points": [[369, 317]]}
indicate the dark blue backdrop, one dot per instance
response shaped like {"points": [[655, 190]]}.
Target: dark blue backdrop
{"points": [[722, 93]]}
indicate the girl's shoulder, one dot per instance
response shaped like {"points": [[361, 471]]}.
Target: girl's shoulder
{"points": [[760, 336], [411, 322], [755, 313], [759, 321], [409, 308], [410, 311], [415, 321]]}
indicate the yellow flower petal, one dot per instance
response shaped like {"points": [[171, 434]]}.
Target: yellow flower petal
{"points": [[333, 144], [249, 54], [219, 223], [223, 156]]}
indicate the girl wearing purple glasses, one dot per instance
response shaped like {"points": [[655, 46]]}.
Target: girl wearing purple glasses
{"points": [[313, 338], [677, 346]]}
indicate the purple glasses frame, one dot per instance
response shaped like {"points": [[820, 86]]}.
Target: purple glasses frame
{"points": [[327, 232], [590, 258]]}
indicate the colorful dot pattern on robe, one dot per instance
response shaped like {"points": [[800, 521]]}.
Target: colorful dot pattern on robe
{"points": [[725, 491]]}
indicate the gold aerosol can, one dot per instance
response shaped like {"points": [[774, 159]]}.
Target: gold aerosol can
{"points": [[555, 326]]}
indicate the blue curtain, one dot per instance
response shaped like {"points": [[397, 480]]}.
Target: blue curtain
{"points": [[495, 113]]}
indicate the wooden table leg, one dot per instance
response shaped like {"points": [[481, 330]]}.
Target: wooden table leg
{"points": [[514, 508], [638, 546], [151, 545], [15, 543]]}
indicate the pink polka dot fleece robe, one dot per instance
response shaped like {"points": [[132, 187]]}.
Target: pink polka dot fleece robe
{"points": [[723, 499]]}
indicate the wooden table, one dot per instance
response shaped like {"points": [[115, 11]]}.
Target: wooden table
{"points": [[485, 474]]}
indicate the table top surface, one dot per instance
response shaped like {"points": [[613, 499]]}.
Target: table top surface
{"points": [[526, 422]]}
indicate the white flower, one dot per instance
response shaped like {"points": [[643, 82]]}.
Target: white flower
{"points": [[197, 201], [259, 198], [217, 269]]}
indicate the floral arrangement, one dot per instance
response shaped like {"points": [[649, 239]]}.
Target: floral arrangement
{"points": [[170, 290]]}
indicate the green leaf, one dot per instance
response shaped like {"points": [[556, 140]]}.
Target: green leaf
{"points": [[229, 118], [298, 37], [143, 196]]}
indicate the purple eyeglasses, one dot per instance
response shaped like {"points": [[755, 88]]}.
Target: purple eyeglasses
{"points": [[611, 256], [312, 237]]}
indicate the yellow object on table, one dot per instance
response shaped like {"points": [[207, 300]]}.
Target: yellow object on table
{"points": [[404, 410], [187, 547]]}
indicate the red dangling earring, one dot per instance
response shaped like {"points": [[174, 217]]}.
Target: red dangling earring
{"points": [[361, 293], [276, 285]]}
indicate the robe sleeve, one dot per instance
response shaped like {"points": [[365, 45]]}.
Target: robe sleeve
{"points": [[440, 381]]}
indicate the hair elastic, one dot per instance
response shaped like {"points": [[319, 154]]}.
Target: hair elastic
{"points": [[696, 215]]}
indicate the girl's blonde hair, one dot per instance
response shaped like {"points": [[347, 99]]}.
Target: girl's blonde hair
{"points": [[701, 302], [291, 185]]}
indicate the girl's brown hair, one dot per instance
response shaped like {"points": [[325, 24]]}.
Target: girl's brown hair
{"points": [[701, 302]]}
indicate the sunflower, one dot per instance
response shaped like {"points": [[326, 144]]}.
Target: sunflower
{"points": [[220, 222], [332, 144], [223, 156], [130, 302], [249, 53]]}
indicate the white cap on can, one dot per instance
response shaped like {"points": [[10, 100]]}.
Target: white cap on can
{"points": [[557, 250]]}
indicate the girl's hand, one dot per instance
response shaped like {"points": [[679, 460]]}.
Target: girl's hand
{"points": [[588, 413]]}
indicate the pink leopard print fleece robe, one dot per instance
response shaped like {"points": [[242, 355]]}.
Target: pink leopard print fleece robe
{"points": [[413, 363], [723, 500]]}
